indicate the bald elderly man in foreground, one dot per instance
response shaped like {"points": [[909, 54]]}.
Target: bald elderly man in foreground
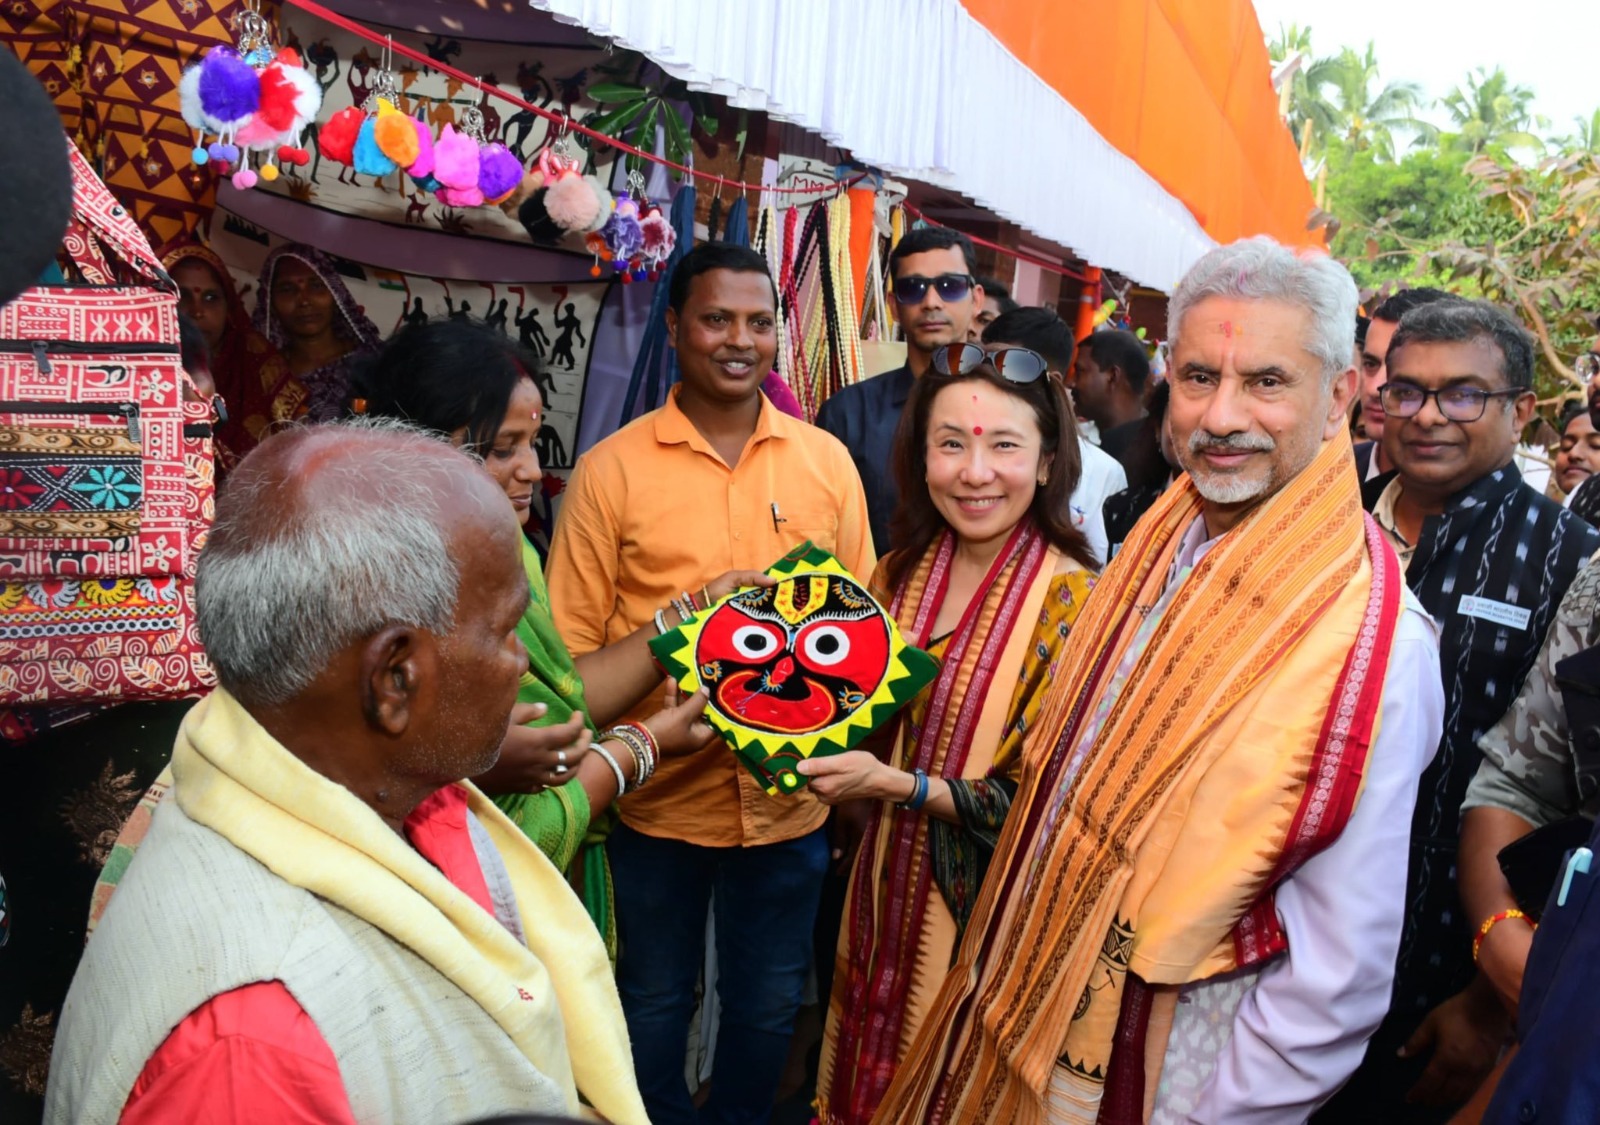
{"points": [[325, 923]]}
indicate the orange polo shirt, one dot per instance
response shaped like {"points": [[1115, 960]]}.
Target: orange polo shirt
{"points": [[653, 511]]}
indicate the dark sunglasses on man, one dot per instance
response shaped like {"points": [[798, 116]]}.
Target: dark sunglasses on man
{"points": [[1015, 365], [952, 287]]}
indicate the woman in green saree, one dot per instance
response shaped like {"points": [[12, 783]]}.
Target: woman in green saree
{"points": [[477, 388]]}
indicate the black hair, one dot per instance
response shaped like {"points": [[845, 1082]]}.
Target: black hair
{"points": [[924, 239], [917, 522], [1040, 330], [994, 287], [1458, 321], [1570, 411], [445, 375], [1394, 308], [1146, 465], [193, 351], [1123, 350], [1362, 323], [710, 256]]}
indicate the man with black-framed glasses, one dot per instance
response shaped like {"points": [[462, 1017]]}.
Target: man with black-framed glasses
{"points": [[1490, 559], [935, 296]]}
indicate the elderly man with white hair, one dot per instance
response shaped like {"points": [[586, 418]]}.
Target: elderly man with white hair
{"points": [[1193, 910], [325, 923]]}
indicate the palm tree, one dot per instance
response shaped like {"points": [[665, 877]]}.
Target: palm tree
{"points": [[1587, 138], [1363, 119], [1303, 103], [1491, 112]]}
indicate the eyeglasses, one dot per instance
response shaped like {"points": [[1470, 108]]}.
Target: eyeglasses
{"points": [[911, 289], [1458, 404], [1015, 365]]}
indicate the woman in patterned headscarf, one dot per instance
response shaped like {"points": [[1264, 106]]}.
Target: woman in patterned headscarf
{"points": [[303, 307], [251, 376]]}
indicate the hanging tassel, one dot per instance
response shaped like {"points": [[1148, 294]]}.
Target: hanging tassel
{"points": [[653, 351]]}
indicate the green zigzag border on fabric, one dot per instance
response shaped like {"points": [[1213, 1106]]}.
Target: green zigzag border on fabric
{"points": [[918, 668]]}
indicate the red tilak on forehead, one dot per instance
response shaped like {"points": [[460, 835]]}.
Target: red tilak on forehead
{"points": [[1227, 329], [978, 431]]}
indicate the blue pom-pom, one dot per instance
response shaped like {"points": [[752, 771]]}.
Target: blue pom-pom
{"points": [[200, 155], [640, 275], [230, 153], [425, 183], [369, 158]]}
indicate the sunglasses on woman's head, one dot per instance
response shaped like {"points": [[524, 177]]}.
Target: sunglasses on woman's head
{"points": [[1015, 365], [911, 289]]}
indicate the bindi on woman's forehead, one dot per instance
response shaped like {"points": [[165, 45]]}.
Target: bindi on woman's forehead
{"points": [[977, 431]]}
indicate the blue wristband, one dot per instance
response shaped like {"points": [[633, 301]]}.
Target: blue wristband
{"points": [[919, 792]]}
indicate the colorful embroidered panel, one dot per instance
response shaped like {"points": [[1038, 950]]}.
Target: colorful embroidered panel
{"points": [[808, 667], [84, 481]]}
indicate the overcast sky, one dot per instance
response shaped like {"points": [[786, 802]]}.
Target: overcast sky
{"points": [[1551, 46]]}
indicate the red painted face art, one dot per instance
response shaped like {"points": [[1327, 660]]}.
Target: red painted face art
{"points": [[795, 658], [809, 666]]}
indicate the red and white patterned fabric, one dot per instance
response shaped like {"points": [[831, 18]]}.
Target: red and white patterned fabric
{"points": [[108, 615]]}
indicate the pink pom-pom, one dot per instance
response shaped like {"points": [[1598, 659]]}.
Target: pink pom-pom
{"points": [[499, 172], [571, 204], [244, 179], [258, 134], [423, 165], [460, 197], [455, 159]]}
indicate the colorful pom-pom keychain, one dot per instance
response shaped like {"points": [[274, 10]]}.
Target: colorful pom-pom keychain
{"points": [[254, 98]]}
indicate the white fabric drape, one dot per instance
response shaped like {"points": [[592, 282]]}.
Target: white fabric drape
{"points": [[922, 90]]}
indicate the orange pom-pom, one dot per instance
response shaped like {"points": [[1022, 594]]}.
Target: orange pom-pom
{"points": [[397, 138]]}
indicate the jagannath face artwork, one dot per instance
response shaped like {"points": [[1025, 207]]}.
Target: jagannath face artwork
{"points": [[809, 666]]}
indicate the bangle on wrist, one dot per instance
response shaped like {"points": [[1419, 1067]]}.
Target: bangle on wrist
{"points": [[1491, 922], [919, 792], [605, 756], [661, 621], [641, 745]]}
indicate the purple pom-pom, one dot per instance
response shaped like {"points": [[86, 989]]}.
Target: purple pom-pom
{"points": [[623, 234], [499, 171], [230, 89]]}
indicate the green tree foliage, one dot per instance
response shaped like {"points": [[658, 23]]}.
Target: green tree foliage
{"points": [[1490, 112], [1385, 207]]}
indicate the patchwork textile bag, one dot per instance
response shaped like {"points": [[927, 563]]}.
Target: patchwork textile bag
{"points": [[106, 485]]}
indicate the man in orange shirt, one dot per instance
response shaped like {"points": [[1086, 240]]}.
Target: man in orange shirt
{"points": [[717, 479]]}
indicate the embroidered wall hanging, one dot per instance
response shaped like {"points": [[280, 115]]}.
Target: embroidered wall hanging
{"points": [[806, 668]]}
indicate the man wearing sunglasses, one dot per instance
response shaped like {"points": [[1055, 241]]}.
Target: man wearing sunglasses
{"points": [[936, 297], [1490, 559]]}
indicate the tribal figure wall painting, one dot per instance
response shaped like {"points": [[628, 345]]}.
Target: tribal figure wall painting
{"points": [[806, 668]]}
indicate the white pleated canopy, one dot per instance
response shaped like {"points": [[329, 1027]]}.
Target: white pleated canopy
{"points": [[922, 90]]}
